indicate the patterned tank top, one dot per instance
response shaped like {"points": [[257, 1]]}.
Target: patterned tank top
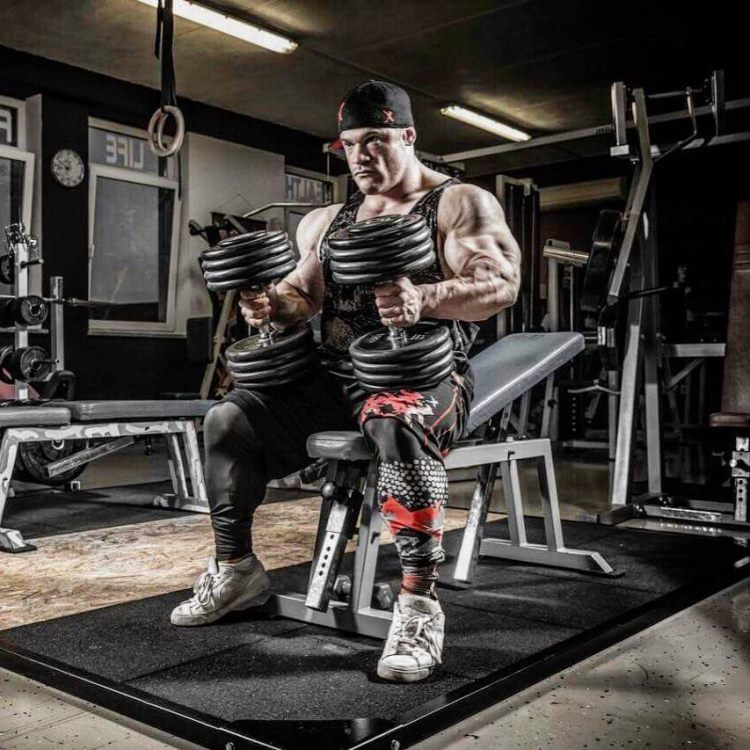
{"points": [[350, 311]]}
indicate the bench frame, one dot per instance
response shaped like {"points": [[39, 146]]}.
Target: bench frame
{"points": [[185, 467], [350, 493]]}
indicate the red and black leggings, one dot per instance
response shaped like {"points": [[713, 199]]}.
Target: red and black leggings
{"points": [[412, 431]]}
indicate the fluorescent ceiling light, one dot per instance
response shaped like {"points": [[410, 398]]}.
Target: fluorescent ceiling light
{"points": [[231, 26], [485, 123]]}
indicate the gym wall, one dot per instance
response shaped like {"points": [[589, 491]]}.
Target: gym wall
{"points": [[218, 176], [228, 159]]}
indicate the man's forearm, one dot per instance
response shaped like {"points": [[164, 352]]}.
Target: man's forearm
{"points": [[290, 306], [474, 297]]}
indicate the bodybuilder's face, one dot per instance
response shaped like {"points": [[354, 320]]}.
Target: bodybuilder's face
{"points": [[378, 157]]}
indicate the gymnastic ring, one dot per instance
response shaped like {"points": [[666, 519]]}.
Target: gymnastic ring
{"points": [[156, 131]]}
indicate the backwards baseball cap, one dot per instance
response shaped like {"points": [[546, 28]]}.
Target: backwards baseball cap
{"points": [[374, 104]]}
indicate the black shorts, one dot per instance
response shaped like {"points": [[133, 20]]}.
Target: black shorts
{"points": [[283, 418]]}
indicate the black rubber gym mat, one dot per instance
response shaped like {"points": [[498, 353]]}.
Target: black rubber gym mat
{"points": [[297, 686], [40, 513]]}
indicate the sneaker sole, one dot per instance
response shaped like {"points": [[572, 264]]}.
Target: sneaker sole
{"points": [[398, 675], [210, 617]]}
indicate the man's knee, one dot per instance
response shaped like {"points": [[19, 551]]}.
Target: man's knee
{"points": [[226, 424], [392, 438]]}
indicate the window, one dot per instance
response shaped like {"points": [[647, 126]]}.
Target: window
{"points": [[11, 188], [16, 171], [133, 234]]}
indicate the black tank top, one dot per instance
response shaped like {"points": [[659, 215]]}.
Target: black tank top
{"points": [[350, 311]]}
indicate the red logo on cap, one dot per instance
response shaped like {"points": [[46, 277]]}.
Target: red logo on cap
{"points": [[387, 116], [340, 115]]}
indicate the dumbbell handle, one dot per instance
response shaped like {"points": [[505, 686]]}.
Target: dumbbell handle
{"points": [[396, 336], [267, 336]]}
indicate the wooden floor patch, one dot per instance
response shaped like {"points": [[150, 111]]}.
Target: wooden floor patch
{"points": [[86, 570]]}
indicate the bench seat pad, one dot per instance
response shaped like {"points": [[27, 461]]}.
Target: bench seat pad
{"points": [[34, 416], [513, 365], [104, 411]]}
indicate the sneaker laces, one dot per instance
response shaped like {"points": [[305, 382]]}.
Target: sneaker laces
{"points": [[414, 631], [204, 586]]}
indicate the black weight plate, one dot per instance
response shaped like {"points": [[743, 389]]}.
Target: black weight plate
{"points": [[384, 228], [250, 268], [435, 351], [374, 261], [403, 255], [442, 355], [374, 384], [422, 337], [252, 239], [5, 353], [602, 257], [25, 363], [239, 246], [34, 457], [272, 369], [360, 251], [7, 271], [31, 310], [426, 361], [248, 282], [246, 259], [275, 376], [250, 349], [213, 256], [387, 273], [273, 359]]}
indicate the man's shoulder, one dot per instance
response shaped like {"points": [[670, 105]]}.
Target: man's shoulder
{"points": [[314, 225], [324, 214], [463, 197], [319, 219], [465, 191]]}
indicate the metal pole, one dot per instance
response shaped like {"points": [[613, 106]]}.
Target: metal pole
{"points": [[21, 289], [57, 322], [649, 250], [636, 197]]}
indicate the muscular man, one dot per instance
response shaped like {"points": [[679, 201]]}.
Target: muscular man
{"points": [[253, 437]]}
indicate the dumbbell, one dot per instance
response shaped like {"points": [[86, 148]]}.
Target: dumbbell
{"points": [[382, 593], [25, 364], [256, 261], [26, 311], [376, 251]]}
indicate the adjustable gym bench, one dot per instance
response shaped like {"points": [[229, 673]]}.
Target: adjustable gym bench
{"points": [[118, 424], [504, 372]]}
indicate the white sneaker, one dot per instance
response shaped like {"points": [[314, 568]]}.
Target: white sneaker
{"points": [[414, 645], [223, 588]]}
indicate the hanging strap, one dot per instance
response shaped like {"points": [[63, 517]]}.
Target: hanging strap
{"points": [[164, 51]]}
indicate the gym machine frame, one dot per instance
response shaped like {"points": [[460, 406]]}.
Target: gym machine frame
{"points": [[644, 351], [185, 464], [559, 254]]}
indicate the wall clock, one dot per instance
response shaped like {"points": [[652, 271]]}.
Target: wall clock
{"points": [[68, 168]]}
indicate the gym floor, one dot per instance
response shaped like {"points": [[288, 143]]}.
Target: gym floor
{"points": [[677, 684]]}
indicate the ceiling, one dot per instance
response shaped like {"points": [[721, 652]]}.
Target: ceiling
{"points": [[541, 65]]}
